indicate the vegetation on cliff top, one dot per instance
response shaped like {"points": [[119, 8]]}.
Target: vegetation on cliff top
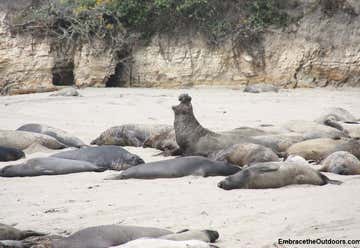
{"points": [[119, 21]]}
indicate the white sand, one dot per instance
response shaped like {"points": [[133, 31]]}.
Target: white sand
{"points": [[244, 218]]}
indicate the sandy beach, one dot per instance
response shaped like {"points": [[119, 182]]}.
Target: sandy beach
{"points": [[244, 218]]}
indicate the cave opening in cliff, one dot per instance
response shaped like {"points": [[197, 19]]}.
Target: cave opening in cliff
{"points": [[63, 74], [117, 79]]}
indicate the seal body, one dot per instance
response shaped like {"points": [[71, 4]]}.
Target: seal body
{"points": [[245, 154], [179, 167], [194, 139], [165, 142], [162, 243], [60, 135], [274, 175], [22, 140], [129, 134], [10, 154], [11, 233], [48, 166], [336, 114], [70, 91], [319, 149], [341, 162], [109, 157], [260, 87], [107, 236]]}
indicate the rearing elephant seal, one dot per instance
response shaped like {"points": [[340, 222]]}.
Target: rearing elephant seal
{"points": [[10, 233], [179, 167], [60, 135], [129, 134], [343, 163], [22, 140], [10, 154], [274, 175], [107, 236], [194, 139], [109, 157]]}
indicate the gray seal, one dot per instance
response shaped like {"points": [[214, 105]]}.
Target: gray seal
{"points": [[10, 154], [109, 157], [274, 175], [60, 135], [129, 134], [179, 167], [245, 154], [194, 139], [11, 233], [48, 166], [107, 236], [22, 140], [343, 163]]}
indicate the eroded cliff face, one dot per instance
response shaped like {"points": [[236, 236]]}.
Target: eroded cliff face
{"points": [[318, 50], [321, 49]]}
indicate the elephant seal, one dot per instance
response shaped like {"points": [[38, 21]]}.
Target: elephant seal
{"points": [[274, 175], [129, 134], [194, 139], [245, 154], [352, 129], [22, 140], [107, 236], [203, 235], [343, 163], [336, 114], [60, 135], [109, 157], [178, 167], [70, 91], [260, 87], [161, 243], [48, 166], [280, 142], [11, 233], [319, 149], [10, 154], [165, 142], [313, 130]]}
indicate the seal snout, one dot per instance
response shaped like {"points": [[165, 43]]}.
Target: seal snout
{"points": [[223, 185], [185, 98], [213, 235]]}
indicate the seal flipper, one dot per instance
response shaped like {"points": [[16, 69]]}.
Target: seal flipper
{"points": [[327, 180]]}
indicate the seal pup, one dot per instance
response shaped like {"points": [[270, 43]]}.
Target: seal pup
{"points": [[11, 233], [178, 167], [61, 135], [22, 140], [319, 149], [245, 154], [109, 157], [107, 236], [194, 139], [48, 166], [129, 134], [10, 154], [343, 163], [274, 175]]}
